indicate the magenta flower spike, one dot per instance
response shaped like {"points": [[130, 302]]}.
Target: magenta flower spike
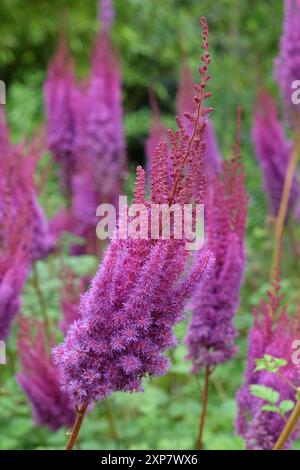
{"points": [[287, 65], [59, 91], [273, 151], [39, 379], [139, 292], [213, 158], [104, 134], [273, 333], [211, 333]]}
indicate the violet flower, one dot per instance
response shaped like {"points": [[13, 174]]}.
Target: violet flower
{"points": [[59, 90], [211, 333], [273, 151], [39, 379], [287, 65], [273, 333], [138, 294]]}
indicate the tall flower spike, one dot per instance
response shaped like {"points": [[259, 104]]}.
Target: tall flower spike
{"points": [[273, 333], [273, 151], [211, 333], [105, 143], [138, 294], [287, 65], [184, 100], [39, 380], [59, 90]]}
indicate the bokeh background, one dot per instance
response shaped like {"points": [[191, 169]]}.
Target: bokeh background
{"points": [[151, 38]]}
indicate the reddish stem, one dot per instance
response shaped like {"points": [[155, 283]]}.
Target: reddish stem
{"points": [[204, 408], [76, 428]]}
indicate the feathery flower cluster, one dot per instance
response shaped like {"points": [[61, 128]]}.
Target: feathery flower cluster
{"points": [[211, 333], [287, 65], [60, 94], [39, 378], [273, 150], [138, 294], [273, 333]]}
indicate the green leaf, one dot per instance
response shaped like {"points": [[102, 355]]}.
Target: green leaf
{"points": [[266, 393], [273, 408], [286, 406], [269, 363]]}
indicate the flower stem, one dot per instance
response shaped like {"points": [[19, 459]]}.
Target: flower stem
{"points": [[290, 425], [283, 209], [204, 408], [80, 412]]}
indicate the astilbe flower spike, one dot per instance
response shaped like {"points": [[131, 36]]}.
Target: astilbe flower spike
{"points": [[273, 151], [138, 294], [287, 65], [273, 333], [211, 333], [39, 379], [184, 100], [104, 135], [60, 94]]}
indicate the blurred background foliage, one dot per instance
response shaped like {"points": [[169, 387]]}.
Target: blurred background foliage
{"points": [[151, 37]]}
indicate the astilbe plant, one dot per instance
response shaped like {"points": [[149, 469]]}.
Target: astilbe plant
{"points": [[273, 151], [272, 335], [287, 65], [138, 294], [211, 332], [39, 378]]}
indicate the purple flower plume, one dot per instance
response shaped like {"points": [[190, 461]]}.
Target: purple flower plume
{"points": [[273, 333], [104, 135], [138, 294], [273, 151], [39, 380], [60, 93], [211, 333], [287, 65]]}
